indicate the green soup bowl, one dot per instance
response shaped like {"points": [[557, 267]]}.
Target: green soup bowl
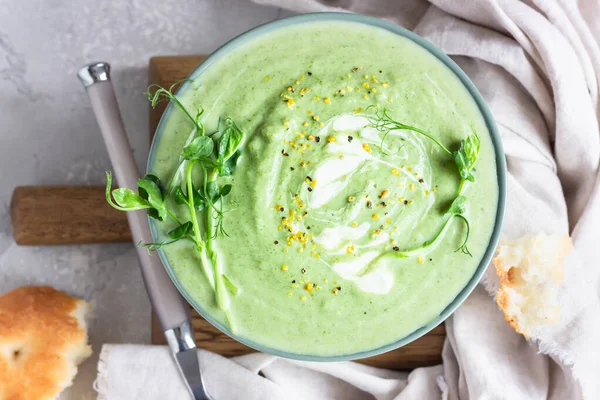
{"points": [[485, 112]]}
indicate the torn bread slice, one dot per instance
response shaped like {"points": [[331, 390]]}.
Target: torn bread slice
{"points": [[43, 337], [530, 271]]}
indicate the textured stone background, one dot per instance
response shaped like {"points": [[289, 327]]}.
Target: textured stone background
{"points": [[48, 134]]}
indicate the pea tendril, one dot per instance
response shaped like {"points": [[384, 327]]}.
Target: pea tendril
{"points": [[464, 157], [215, 155]]}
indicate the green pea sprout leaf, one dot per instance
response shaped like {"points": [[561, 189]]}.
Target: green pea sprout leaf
{"points": [[230, 139], [229, 142], [129, 200], [229, 165], [180, 197], [149, 190], [466, 156], [472, 146], [225, 190], [457, 206], [212, 191], [182, 231], [200, 148], [125, 199]]}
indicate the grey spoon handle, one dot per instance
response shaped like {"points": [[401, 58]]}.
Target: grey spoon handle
{"points": [[171, 309]]}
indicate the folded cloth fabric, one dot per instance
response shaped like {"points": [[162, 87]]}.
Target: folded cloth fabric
{"points": [[537, 64], [148, 372]]}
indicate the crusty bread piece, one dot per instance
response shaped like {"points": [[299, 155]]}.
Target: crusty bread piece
{"points": [[43, 337], [530, 271]]}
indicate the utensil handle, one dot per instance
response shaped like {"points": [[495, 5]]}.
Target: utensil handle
{"points": [[170, 307]]}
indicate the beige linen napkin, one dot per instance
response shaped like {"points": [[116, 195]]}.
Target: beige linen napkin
{"points": [[537, 64], [148, 372]]}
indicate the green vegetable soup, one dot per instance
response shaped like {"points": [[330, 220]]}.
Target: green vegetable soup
{"points": [[327, 188]]}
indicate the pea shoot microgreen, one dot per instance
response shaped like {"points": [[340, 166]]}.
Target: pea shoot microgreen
{"points": [[124, 199], [214, 156], [157, 94], [229, 142], [182, 231], [149, 190], [456, 210], [464, 157]]}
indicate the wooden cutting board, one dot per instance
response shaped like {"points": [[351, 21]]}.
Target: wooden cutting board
{"points": [[71, 215]]}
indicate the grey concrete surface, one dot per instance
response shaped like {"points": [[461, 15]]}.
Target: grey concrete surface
{"points": [[48, 134]]}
